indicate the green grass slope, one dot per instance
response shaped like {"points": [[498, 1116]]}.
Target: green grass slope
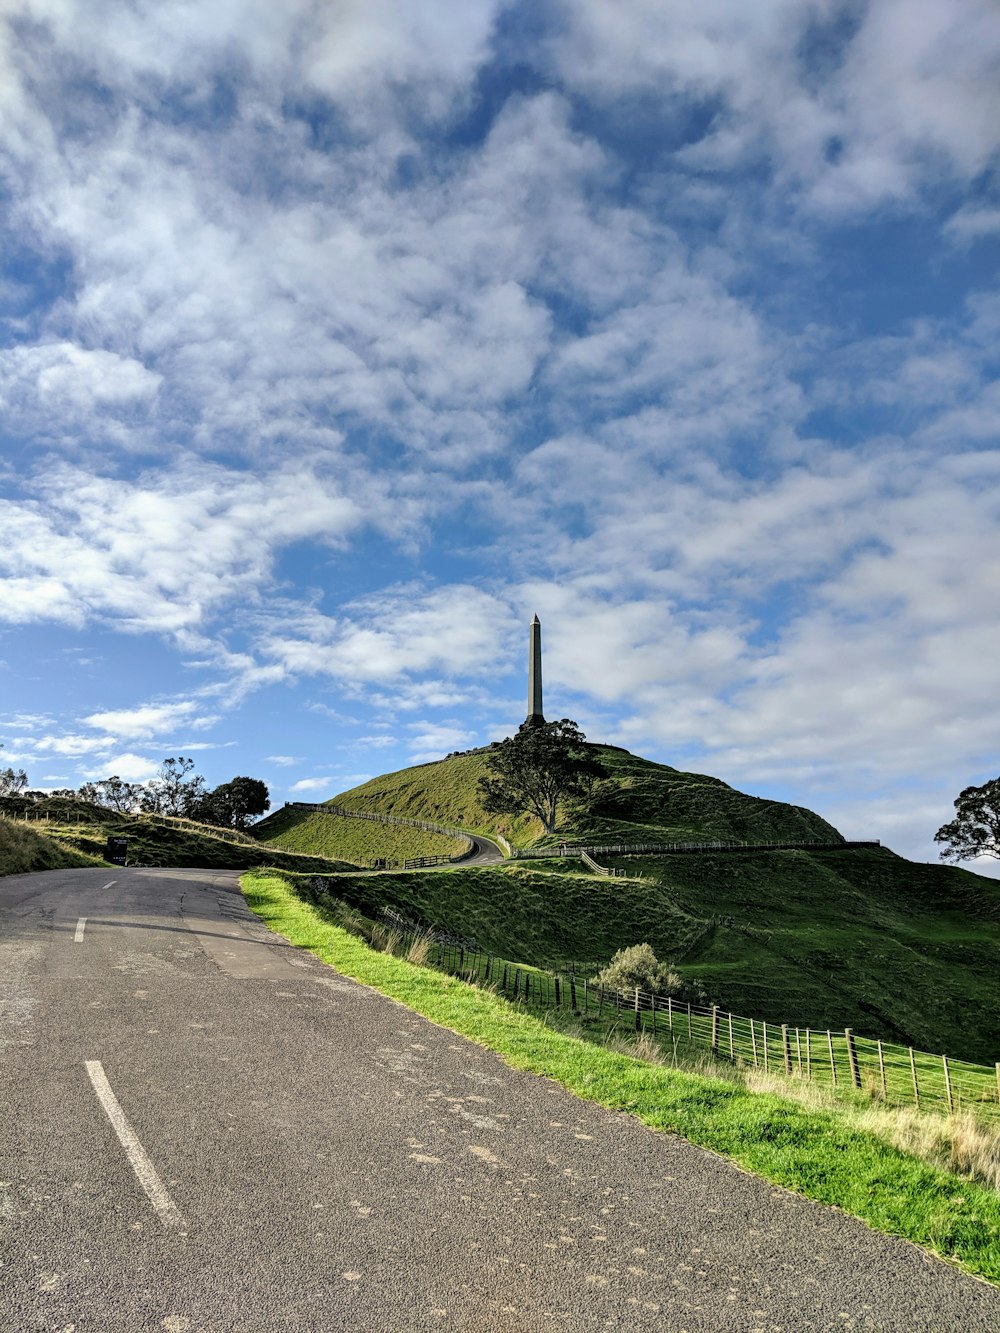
{"points": [[357, 841], [77, 829], [638, 801], [854, 938], [23, 849]]}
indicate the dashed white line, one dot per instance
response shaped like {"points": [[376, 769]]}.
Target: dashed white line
{"points": [[109, 884], [80, 925], [164, 1206]]}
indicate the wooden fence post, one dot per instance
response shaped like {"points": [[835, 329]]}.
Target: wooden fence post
{"points": [[808, 1055], [732, 1054], [764, 1044], [913, 1071], [670, 1025], [586, 997], [998, 1080], [852, 1057], [506, 968], [517, 982], [947, 1085], [715, 1029], [558, 1000], [753, 1041], [572, 991], [798, 1051], [690, 1032], [652, 1010], [786, 1050], [881, 1069], [638, 1016], [833, 1063]]}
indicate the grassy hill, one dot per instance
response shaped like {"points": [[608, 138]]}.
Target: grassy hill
{"points": [[849, 937], [357, 841], [638, 801]]}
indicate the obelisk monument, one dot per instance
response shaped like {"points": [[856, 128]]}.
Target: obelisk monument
{"points": [[534, 718]]}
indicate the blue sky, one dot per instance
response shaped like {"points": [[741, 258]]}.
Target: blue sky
{"points": [[336, 340]]}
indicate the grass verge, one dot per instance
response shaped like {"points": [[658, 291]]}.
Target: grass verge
{"points": [[810, 1151]]}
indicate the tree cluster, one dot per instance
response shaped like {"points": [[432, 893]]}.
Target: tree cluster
{"points": [[176, 790]]}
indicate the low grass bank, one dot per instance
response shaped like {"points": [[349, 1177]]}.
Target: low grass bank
{"points": [[23, 849], [812, 1150], [80, 829]]}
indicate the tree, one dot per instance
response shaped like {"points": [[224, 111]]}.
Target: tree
{"points": [[12, 781], [176, 789], [113, 794], [975, 830], [536, 769], [233, 804]]}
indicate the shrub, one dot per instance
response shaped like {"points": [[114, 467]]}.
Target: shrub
{"points": [[638, 966]]}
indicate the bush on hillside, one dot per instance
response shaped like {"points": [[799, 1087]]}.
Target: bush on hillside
{"points": [[638, 966]]}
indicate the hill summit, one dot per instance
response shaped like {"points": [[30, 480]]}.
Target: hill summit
{"points": [[638, 801]]}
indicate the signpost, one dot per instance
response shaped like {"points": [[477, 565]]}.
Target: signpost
{"points": [[116, 850]]}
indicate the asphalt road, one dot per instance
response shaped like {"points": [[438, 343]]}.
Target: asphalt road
{"points": [[205, 1129]]}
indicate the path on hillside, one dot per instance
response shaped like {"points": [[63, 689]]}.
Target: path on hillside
{"points": [[314, 1156], [487, 853]]}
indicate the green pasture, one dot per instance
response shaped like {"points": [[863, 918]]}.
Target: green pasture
{"points": [[356, 841]]}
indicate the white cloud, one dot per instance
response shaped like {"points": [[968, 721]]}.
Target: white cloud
{"points": [[971, 222], [127, 765], [459, 628], [161, 553], [62, 381], [313, 784], [149, 720], [283, 760], [434, 740]]}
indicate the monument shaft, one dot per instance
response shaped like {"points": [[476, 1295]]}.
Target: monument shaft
{"points": [[535, 717]]}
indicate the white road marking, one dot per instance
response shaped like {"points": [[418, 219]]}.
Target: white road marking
{"points": [[109, 884], [78, 937], [164, 1206]]}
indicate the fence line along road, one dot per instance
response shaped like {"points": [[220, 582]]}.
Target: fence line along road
{"points": [[840, 1060]]}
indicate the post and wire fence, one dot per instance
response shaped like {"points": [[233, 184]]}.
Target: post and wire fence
{"points": [[841, 1060]]}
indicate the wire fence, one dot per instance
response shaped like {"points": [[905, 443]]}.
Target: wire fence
{"points": [[841, 1060], [666, 848]]}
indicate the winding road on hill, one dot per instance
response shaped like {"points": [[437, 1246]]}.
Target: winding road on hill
{"points": [[206, 1130]]}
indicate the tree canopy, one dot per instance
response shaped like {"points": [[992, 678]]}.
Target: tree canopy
{"points": [[536, 769], [12, 781], [233, 804], [114, 794], [975, 830], [175, 790]]}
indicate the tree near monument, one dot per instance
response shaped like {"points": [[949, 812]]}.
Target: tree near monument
{"points": [[536, 769], [975, 830]]}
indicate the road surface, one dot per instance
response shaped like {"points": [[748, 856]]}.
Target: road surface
{"points": [[206, 1130]]}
